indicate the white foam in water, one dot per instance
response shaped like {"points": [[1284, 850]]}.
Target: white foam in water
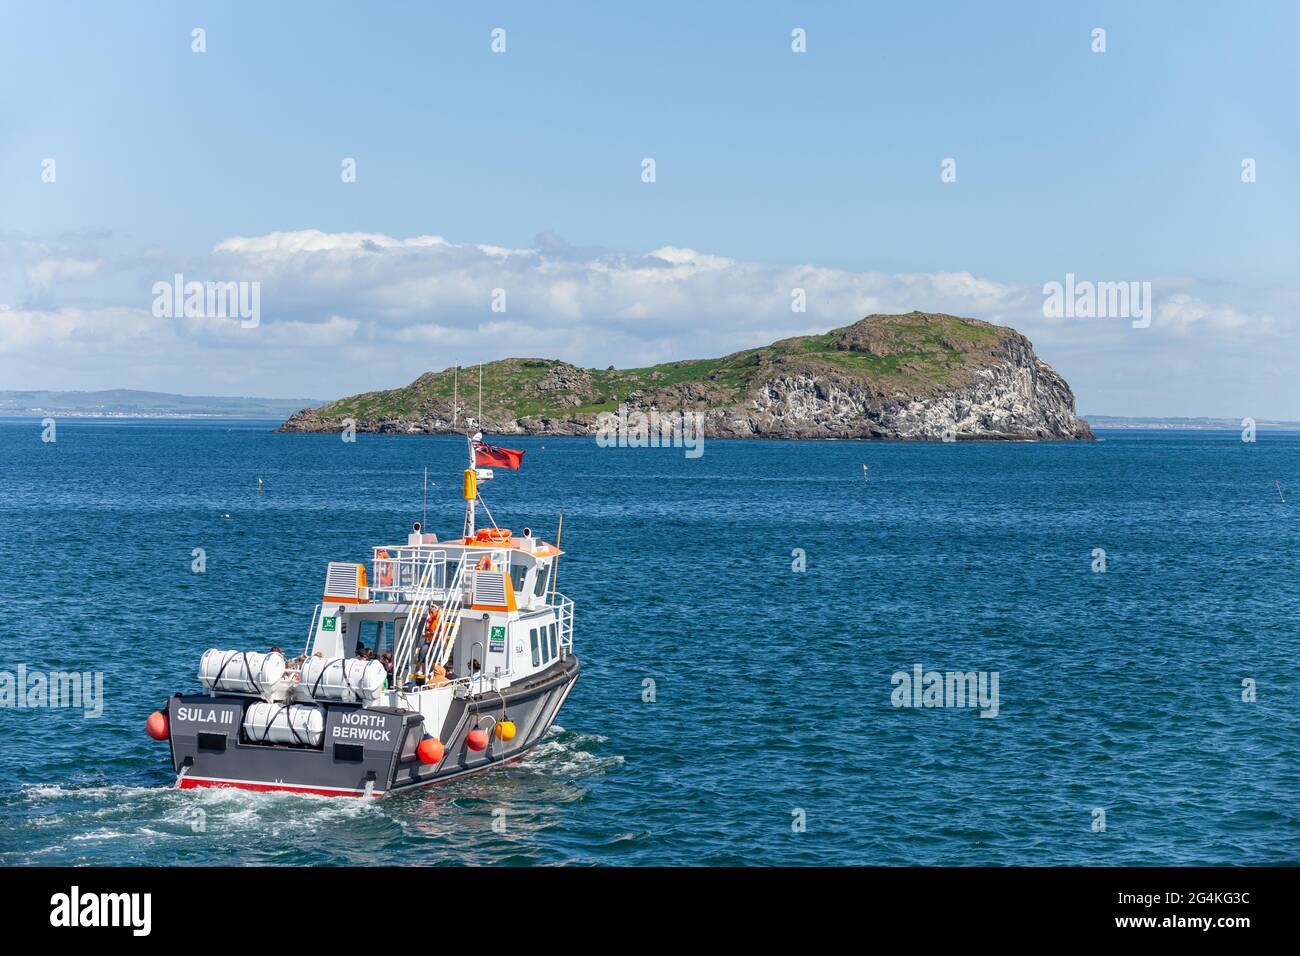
{"points": [[561, 753], [54, 791]]}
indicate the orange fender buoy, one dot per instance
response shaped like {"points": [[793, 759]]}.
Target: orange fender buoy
{"points": [[476, 740], [430, 750], [156, 726], [505, 730]]}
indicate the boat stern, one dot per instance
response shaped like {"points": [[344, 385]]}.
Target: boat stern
{"points": [[358, 754]]}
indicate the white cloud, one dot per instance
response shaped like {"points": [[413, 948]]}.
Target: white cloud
{"points": [[390, 308], [1182, 313], [46, 273]]}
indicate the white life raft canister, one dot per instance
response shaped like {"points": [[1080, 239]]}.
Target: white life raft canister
{"points": [[240, 672], [300, 725], [334, 678]]}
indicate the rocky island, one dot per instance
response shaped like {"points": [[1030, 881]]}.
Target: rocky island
{"points": [[915, 376]]}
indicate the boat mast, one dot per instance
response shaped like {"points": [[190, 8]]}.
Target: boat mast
{"points": [[470, 488]]}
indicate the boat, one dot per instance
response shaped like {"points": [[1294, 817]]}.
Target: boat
{"points": [[434, 659]]}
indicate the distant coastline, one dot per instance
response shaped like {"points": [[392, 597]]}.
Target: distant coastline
{"points": [[132, 403], [1120, 421]]}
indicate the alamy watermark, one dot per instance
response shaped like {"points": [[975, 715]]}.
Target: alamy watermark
{"points": [[75, 909], [652, 429], [211, 300], [1098, 300], [922, 688], [35, 689]]}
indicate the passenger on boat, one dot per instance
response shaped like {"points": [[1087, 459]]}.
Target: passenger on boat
{"points": [[387, 660]]}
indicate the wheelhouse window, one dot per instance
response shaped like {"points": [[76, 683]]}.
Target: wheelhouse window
{"points": [[555, 652], [543, 575], [517, 574], [537, 651]]}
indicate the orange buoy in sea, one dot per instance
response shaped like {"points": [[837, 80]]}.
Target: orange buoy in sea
{"points": [[156, 726], [476, 739], [505, 730], [430, 750]]}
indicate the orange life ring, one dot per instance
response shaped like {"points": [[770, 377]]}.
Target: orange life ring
{"points": [[383, 568], [484, 564], [495, 535]]}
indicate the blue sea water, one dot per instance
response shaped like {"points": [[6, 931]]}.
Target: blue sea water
{"points": [[1119, 691]]}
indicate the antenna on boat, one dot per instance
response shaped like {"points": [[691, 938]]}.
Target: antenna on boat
{"points": [[555, 571], [424, 518], [479, 423], [454, 395]]}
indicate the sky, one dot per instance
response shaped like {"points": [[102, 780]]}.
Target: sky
{"points": [[947, 157]]}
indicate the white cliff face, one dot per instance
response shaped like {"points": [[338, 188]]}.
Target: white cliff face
{"points": [[1019, 397]]}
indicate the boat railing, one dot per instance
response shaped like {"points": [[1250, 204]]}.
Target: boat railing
{"points": [[564, 611], [398, 572], [311, 631], [470, 686]]}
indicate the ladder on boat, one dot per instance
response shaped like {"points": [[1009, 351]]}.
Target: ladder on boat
{"points": [[448, 623], [449, 617]]}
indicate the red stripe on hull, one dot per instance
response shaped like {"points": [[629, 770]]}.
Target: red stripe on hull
{"points": [[191, 783], [188, 783]]}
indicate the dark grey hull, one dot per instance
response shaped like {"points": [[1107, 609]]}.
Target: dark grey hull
{"points": [[366, 750]]}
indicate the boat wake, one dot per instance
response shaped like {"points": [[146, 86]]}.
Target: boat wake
{"points": [[82, 824], [564, 754]]}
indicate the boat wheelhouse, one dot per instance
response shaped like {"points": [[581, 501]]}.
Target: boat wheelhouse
{"points": [[432, 659]]}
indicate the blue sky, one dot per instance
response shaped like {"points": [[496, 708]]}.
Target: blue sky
{"points": [[1123, 165]]}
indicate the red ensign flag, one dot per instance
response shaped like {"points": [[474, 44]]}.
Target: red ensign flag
{"points": [[489, 456]]}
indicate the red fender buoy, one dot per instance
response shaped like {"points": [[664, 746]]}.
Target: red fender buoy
{"points": [[430, 750], [476, 739], [156, 726]]}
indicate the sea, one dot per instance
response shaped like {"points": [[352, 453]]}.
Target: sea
{"points": [[766, 634]]}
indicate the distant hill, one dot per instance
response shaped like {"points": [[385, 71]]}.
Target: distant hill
{"points": [[129, 403], [920, 375]]}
